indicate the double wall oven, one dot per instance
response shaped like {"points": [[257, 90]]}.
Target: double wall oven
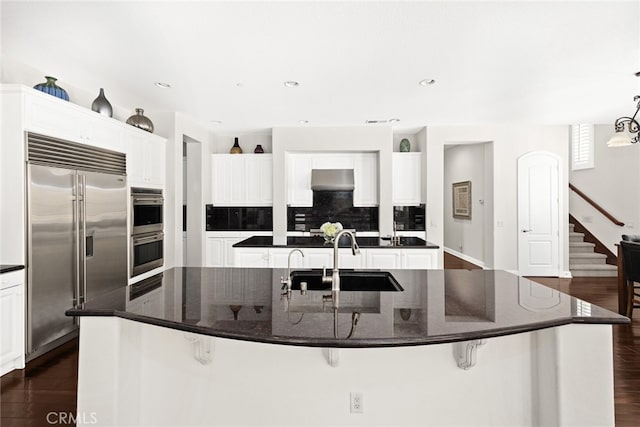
{"points": [[147, 237]]}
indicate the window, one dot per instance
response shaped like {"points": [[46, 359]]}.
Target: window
{"points": [[582, 147]]}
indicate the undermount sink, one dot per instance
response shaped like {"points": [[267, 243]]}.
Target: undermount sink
{"points": [[350, 280]]}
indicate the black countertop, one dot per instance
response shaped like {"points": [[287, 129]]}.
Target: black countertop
{"points": [[319, 242], [6, 268], [436, 306]]}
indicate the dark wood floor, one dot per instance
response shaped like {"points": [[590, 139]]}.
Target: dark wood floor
{"points": [[48, 389]]}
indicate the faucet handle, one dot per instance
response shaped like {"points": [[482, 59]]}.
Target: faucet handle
{"points": [[325, 278]]}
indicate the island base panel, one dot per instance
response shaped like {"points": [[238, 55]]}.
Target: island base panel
{"points": [[132, 373]]}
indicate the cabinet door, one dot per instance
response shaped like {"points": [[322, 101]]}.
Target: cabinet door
{"points": [[259, 180], [155, 162], [136, 150], [406, 185], [279, 258], [51, 117], [419, 259], [215, 252], [229, 180], [366, 179], [11, 326], [251, 257], [299, 185], [348, 260], [318, 258], [383, 259]]}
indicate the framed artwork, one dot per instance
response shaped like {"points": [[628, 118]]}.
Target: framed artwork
{"points": [[462, 199]]}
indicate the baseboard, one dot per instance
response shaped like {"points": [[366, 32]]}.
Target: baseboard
{"points": [[565, 275], [465, 257]]}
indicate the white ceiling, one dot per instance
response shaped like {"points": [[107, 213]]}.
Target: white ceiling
{"points": [[493, 62]]}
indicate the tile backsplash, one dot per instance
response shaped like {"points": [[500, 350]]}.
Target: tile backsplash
{"points": [[239, 218]]}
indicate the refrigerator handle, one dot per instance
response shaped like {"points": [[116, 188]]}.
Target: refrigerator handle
{"points": [[83, 254], [76, 221]]}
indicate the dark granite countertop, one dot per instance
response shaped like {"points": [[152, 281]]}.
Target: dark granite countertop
{"points": [[436, 306], [6, 268], [319, 242]]}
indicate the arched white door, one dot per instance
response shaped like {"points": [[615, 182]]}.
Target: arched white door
{"points": [[538, 214]]}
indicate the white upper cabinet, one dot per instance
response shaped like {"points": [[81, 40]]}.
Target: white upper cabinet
{"points": [[145, 158], [299, 180], [366, 179], [407, 179], [365, 170], [242, 179]]}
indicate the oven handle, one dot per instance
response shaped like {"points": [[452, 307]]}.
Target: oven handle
{"points": [[147, 200], [141, 240]]}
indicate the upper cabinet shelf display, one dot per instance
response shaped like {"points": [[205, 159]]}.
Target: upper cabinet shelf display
{"points": [[365, 170], [242, 180], [47, 115]]}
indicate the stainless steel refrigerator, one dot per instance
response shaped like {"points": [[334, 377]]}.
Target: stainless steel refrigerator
{"points": [[77, 234]]}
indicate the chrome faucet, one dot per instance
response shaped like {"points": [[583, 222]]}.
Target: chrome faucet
{"points": [[396, 239], [286, 283], [334, 279]]}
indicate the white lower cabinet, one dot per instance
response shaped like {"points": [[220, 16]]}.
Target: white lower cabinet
{"points": [[12, 321], [383, 259], [219, 250], [419, 259], [252, 258]]}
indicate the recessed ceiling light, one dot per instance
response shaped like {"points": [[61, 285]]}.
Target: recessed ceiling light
{"points": [[426, 82], [163, 85], [216, 122], [291, 83], [303, 121], [394, 120]]}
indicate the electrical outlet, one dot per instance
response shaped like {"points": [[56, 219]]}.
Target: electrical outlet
{"points": [[356, 403]]}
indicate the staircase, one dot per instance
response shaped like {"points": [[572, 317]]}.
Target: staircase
{"points": [[584, 261]]}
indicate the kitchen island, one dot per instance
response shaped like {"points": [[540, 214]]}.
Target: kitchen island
{"points": [[208, 346]]}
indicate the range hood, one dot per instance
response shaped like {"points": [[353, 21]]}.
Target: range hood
{"points": [[332, 180]]}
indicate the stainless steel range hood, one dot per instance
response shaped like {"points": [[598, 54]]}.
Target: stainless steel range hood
{"points": [[332, 180]]}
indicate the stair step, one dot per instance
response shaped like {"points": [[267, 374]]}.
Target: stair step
{"points": [[576, 237], [579, 247], [593, 270], [587, 258], [571, 227]]}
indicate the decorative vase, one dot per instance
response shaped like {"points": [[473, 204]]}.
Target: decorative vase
{"points": [[236, 147], [405, 314], [52, 88], [102, 105], [139, 120], [405, 145], [259, 149], [329, 239]]}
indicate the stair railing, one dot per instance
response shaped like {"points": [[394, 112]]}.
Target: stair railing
{"points": [[596, 206]]}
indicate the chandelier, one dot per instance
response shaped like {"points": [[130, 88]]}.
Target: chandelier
{"points": [[626, 127]]}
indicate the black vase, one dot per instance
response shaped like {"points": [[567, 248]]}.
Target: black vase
{"points": [[259, 149], [102, 105], [139, 120]]}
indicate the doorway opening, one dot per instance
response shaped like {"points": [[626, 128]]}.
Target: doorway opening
{"points": [[468, 202]]}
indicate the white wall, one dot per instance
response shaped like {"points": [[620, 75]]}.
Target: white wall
{"points": [[614, 184], [468, 163], [509, 143], [333, 139]]}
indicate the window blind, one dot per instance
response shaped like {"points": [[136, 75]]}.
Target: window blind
{"points": [[582, 147]]}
